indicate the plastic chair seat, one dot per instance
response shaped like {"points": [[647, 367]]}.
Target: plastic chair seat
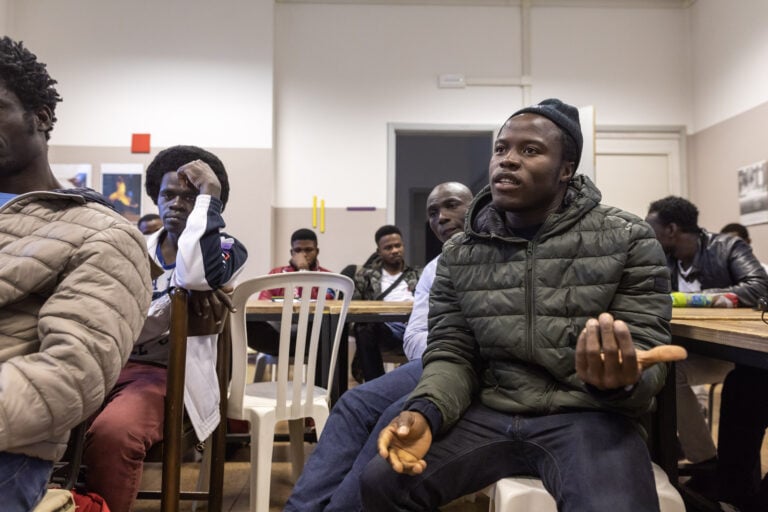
{"points": [[525, 493]]}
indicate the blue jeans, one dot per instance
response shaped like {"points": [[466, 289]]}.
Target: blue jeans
{"points": [[23, 481], [331, 477], [371, 339], [594, 461]]}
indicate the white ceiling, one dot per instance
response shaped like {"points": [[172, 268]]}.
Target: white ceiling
{"points": [[674, 4]]}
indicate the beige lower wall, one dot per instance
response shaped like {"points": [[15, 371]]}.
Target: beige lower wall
{"points": [[714, 155], [348, 236], [249, 211]]}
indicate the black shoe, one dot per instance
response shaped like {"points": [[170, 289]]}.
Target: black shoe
{"points": [[695, 502]]}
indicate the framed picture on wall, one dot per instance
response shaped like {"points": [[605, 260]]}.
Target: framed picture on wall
{"points": [[753, 193], [121, 185], [73, 175]]}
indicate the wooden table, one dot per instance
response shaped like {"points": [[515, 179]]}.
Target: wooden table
{"points": [[738, 335]]}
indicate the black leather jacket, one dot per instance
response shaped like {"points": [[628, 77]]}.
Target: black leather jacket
{"points": [[725, 263]]}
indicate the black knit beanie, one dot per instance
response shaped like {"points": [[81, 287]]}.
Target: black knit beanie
{"points": [[565, 116]]}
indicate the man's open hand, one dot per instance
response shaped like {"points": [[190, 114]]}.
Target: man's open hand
{"points": [[405, 442], [606, 356]]}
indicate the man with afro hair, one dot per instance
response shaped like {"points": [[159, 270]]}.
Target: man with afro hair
{"points": [[190, 187], [74, 288]]}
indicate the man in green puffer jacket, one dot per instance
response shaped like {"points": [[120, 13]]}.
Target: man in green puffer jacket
{"points": [[545, 319]]}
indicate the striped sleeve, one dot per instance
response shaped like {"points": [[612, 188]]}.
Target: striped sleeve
{"points": [[207, 257]]}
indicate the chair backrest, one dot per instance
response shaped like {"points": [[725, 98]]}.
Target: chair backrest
{"points": [[171, 449], [303, 311]]}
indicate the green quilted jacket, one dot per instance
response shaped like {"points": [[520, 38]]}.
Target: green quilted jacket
{"points": [[505, 312]]}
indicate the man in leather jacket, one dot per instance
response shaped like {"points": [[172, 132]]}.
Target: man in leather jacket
{"points": [[710, 263]]}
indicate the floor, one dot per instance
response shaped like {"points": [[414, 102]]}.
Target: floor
{"points": [[237, 472], [236, 485], [236, 481]]}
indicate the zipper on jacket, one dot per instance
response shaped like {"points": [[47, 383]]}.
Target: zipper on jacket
{"points": [[529, 296]]}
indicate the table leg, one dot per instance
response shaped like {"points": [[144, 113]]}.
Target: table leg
{"points": [[663, 435]]}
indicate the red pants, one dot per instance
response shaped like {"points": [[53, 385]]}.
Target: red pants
{"points": [[120, 435]]}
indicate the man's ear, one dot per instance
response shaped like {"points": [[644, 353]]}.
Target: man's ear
{"points": [[672, 229], [567, 171], [44, 119]]}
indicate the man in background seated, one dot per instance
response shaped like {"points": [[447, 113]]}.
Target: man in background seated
{"points": [[190, 187], [304, 252], [705, 262], [74, 288], [542, 315], [387, 279], [264, 337], [149, 223], [741, 430], [740, 231], [331, 478]]}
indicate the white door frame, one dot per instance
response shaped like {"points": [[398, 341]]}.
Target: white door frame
{"points": [[393, 128], [664, 141]]}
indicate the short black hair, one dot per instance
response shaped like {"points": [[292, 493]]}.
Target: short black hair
{"points": [[28, 79], [169, 160], [678, 210], [303, 234], [385, 230], [734, 227], [148, 217]]}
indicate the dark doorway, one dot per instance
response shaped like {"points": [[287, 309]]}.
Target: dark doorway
{"points": [[422, 160]]}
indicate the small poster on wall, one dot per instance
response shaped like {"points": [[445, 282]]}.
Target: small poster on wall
{"points": [[753, 193], [121, 185], [73, 175]]}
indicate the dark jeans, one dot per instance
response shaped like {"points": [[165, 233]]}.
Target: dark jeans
{"points": [[743, 420], [330, 480], [594, 461], [23, 480], [264, 337], [373, 338]]}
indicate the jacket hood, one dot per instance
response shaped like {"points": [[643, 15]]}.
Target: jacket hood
{"points": [[79, 195], [485, 221], [88, 194]]}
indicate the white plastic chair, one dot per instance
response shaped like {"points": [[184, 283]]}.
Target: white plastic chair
{"points": [[263, 404], [522, 494]]}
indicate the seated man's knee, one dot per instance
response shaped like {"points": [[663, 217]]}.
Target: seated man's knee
{"points": [[374, 487], [107, 436]]}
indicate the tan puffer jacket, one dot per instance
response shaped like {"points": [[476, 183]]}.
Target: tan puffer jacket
{"points": [[74, 294]]}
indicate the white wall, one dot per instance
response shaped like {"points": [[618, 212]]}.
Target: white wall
{"points": [[343, 72], [633, 65], [731, 58], [186, 71], [4, 14]]}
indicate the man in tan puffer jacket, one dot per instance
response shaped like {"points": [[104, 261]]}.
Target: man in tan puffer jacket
{"points": [[74, 288]]}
